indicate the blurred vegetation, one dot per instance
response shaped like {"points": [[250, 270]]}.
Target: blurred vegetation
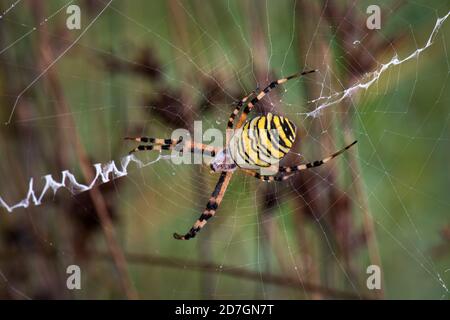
{"points": [[148, 67]]}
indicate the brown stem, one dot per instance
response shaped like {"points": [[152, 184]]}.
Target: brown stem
{"points": [[344, 33], [238, 272], [97, 198], [361, 195]]}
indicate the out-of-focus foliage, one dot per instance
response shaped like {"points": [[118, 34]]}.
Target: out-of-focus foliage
{"points": [[148, 67]]}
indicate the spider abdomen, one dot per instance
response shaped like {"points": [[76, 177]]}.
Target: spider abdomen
{"points": [[262, 141]]}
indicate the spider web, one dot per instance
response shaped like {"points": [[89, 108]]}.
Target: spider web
{"points": [[158, 197]]}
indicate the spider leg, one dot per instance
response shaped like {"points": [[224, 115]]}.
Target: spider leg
{"points": [[285, 173], [157, 147], [236, 110], [158, 144], [211, 207], [169, 144], [263, 92], [234, 114], [157, 141]]}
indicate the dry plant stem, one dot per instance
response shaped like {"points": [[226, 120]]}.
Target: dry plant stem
{"points": [[236, 272], [29, 256], [307, 254], [337, 212], [181, 38], [96, 196], [98, 200], [310, 199], [361, 195]]}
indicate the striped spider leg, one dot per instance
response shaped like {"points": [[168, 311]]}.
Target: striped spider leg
{"points": [[169, 144], [265, 91], [157, 144], [235, 112], [211, 207], [285, 173]]}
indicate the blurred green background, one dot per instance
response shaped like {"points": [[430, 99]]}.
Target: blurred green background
{"points": [[148, 67]]}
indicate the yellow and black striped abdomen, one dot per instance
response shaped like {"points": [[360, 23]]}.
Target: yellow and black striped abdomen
{"points": [[262, 141]]}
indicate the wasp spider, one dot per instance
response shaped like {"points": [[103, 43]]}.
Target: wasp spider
{"points": [[259, 143]]}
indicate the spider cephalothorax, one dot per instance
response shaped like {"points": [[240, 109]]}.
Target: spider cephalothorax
{"points": [[255, 147], [223, 162]]}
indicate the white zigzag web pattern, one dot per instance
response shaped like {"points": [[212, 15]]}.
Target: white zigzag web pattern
{"points": [[373, 76], [103, 174]]}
